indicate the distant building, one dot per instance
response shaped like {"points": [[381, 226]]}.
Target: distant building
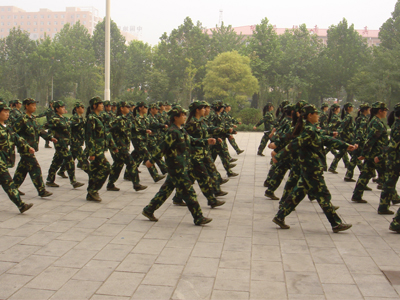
{"points": [[49, 22], [371, 36]]}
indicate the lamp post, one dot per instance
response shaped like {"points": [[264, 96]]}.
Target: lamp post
{"points": [[107, 53]]}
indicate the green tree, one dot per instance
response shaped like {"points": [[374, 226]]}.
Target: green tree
{"points": [[228, 77], [158, 85], [224, 39], [14, 62], [117, 56], [138, 65]]}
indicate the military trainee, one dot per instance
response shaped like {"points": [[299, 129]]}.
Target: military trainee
{"points": [[269, 122]]}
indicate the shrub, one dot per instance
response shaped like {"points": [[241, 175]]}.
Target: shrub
{"points": [[249, 116]]}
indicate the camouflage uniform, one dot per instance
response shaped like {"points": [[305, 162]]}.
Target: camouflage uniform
{"points": [[176, 147], [98, 140], [309, 146], [323, 117], [231, 121], [8, 141], [268, 121], [60, 127], [49, 114], [346, 134], [15, 113], [332, 127], [154, 138], [28, 128], [377, 140]]}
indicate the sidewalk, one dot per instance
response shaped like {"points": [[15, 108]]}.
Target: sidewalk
{"points": [[68, 248]]}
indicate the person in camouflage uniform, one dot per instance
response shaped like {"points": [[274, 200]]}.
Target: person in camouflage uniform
{"points": [[175, 148], [16, 112], [196, 128], [77, 122], [392, 171], [8, 141], [277, 171], [60, 128], [139, 139], [323, 116], [233, 123], [373, 152], [49, 114], [28, 128], [268, 121], [98, 139], [359, 139], [309, 145], [345, 133], [121, 133]]}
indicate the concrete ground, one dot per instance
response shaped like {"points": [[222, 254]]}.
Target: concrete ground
{"points": [[68, 248]]}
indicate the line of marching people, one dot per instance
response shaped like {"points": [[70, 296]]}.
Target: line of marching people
{"points": [[184, 151], [301, 135]]}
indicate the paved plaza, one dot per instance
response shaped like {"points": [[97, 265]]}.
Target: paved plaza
{"points": [[68, 248]]}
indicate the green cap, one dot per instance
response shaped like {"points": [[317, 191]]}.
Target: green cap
{"points": [[205, 103], [3, 105], [379, 105], [142, 103], [335, 105], [397, 107], [284, 103], [123, 104], [365, 105], [58, 104], [347, 105], [309, 109], [17, 101], [132, 103], [28, 101], [107, 102], [195, 105], [289, 107], [218, 103], [176, 111], [323, 105], [114, 103], [95, 100], [78, 104], [300, 104], [153, 105]]}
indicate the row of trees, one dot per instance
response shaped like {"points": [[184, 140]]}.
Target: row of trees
{"points": [[189, 64]]}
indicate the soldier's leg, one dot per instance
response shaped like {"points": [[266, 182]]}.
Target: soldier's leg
{"points": [[162, 195], [63, 168], [263, 143], [380, 167], [77, 153], [363, 179], [277, 176], [389, 189], [214, 174], [235, 146], [354, 161], [395, 224], [291, 183], [69, 165], [339, 155], [21, 171], [346, 159], [226, 150], [292, 200], [116, 168], [203, 178], [162, 165], [99, 170], [8, 185], [35, 172], [55, 165]]}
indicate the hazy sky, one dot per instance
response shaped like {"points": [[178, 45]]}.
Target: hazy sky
{"points": [[157, 17]]}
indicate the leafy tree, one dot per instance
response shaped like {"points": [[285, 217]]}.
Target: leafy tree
{"points": [[158, 86], [117, 55], [14, 62], [229, 78], [138, 65], [224, 39]]}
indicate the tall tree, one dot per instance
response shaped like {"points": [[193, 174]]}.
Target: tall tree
{"points": [[138, 65], [117, 56], [224, 39]]}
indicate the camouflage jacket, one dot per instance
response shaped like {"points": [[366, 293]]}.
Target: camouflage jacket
{"points": [[155, 126], [268, 121], [361, 130], [60, 127], [121, 132], [283, 128], [106, 118], [333, 124], [377, 139], [198, 129], [77, 129], [8, 140], [217, 121], [176, 149], [323, 118], [229, 119], [393, 149], [309, 146], [29, 129], [14, 115], [97, 138], [346, 129], [139, 126]]}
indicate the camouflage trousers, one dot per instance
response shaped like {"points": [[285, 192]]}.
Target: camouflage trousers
{"points": [[389, 192], [354, 161], [395, 224], [99, 169], [123, 157], [263, 143], [341, 154], [226, 150], [234, 145], [140, 154], [29, 164], [62, 156], [153, 149], [219, 150], [366, 174], [310, 183], [276, 174], [199, 172], [215, 176], [8, 185], [184, 190], [77, 153]]}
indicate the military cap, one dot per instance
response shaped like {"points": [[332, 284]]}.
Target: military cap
{"points": [[228, 105], [11, 102], [379, 105], [78, 104], [3, 105], [309, 109], [107, 102], [166, 103], [269, 104], [195, 105], [95, 100], [17, 101], [284, 103], [123, 104], [176, 111], [160, 103], [348, 104], [153, 105], [132, 103], [289, 107], [364, 106], [58, 104], [28, 101], [218, 103], [205, 103], [323, 105], [114, 103], [142, 103], [335, 105], [300, 104], [51, 101]]}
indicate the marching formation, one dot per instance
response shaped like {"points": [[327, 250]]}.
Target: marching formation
{"points": [[183, 147], [300, 137]]}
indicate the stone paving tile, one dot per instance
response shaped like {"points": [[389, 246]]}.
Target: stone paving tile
{"points": [[68, 248]]}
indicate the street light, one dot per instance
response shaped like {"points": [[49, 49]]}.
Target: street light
{"points": [[107, 53]]}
